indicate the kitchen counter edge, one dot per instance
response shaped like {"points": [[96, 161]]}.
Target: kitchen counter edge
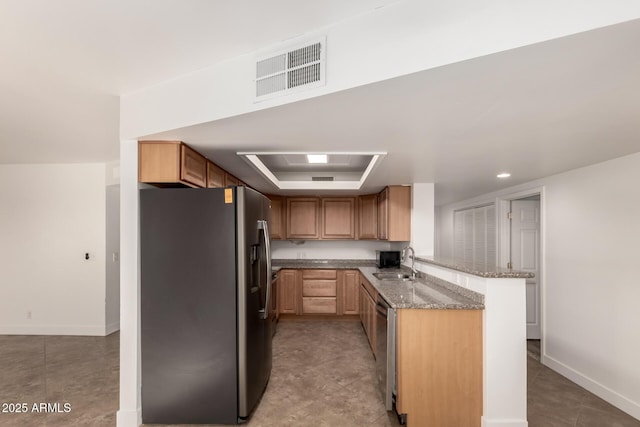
{"points": [[481, 270]]}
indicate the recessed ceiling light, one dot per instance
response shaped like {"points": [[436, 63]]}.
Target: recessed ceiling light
{"points": [[503, 175], [317, 158]]}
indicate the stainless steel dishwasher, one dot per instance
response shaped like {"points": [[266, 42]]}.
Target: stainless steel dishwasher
{"points": [[386, 351]]}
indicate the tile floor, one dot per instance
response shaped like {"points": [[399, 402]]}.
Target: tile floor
{"points": [[315, 382]]}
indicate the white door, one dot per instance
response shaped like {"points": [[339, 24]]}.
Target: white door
{"points": [[525, 256]]}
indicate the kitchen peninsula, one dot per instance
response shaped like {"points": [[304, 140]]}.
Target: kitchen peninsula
{"points": [[438, 331], [503, 333], [445, 293]]}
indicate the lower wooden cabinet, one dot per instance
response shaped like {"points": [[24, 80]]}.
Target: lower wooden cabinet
{"points": [[349, 292], [368, 297], [319, 291], [439, 367], [288, 293], [319, 294]]}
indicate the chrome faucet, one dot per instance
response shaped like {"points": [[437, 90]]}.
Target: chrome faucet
{"points": [[414, 272]]}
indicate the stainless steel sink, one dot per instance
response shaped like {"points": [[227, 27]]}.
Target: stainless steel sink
{"points": [[392, 276]]}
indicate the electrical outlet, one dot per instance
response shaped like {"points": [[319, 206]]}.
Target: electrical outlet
{"points": [[116, 256]]}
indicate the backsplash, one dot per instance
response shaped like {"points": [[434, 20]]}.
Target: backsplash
{"points": [[331, 249]]}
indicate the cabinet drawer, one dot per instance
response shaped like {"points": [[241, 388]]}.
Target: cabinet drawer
{"points": [[318, 305], [319, 274], [319, 288]]}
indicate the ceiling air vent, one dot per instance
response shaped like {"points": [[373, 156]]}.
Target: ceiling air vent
{"points": [[285, 72], [321, 178]]}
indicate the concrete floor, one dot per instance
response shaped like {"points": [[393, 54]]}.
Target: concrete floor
{"points": [[323, 375]]}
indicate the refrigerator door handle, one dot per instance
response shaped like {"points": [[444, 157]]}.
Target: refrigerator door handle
{"points": [[264, 226]]}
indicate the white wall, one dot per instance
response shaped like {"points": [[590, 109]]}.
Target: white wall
{"points": [[398, 39], [591, 230], [422, 218], [50, 216], [328, 249]]}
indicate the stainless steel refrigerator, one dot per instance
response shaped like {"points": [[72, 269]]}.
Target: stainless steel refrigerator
{"points": [[205, 288]]}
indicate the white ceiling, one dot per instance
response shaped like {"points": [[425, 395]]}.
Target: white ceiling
{"points": [[65, 63], [533, 111]]}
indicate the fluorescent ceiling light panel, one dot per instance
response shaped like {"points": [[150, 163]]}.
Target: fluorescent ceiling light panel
{"points": [[317, 158], [254, 159]]}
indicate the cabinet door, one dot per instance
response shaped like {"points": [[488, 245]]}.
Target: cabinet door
{"points": [[364, 319], [193, 167], [368, 217], [350, 292], [230, 180], [398, 213], [288, 292], [215, 176], [383, 214], [303, 218], [338, 218], [158, 162], [368, 316], [276, 224], [361, 306]]}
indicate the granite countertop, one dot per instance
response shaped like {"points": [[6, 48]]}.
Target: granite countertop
{"points": [[337, 264], [477, 269], [426, 292]]}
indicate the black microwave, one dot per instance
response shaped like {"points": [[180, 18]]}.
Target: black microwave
{"points": [[388, 259]]}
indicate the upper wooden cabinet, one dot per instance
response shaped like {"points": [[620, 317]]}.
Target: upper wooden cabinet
{"points": [[171, 162], [383, 214], [215, 176], [277, 219], [194, 166], [338, 218], [394, 214], [167, 163], [230, 180], [303, 218], [368, 217]]}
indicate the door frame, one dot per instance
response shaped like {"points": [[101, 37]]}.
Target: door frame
{"points": [[503, 206]]}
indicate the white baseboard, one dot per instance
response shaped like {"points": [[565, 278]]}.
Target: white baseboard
{"points": [[129, 418], [111, 328], [616, 399], [52, 330], [503, 423]]}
